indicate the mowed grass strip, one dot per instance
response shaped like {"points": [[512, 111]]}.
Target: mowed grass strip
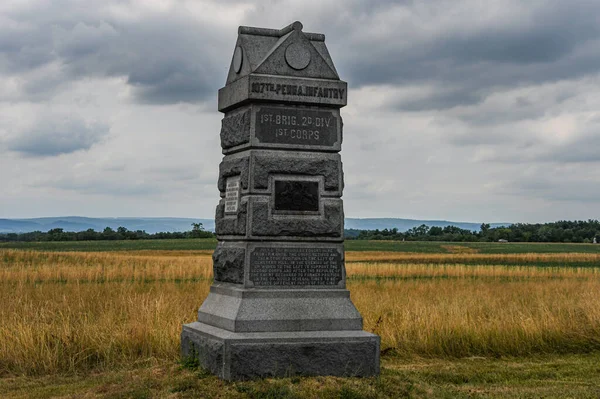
{"points": [[195, 244], [479, 247], [350, 245], [534, 259], [76, 312]]}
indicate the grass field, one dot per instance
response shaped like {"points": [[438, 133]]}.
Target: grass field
{"points": [[351, 245], [455, 321]]}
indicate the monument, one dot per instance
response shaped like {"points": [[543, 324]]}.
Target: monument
{"points": [[279, 304]]}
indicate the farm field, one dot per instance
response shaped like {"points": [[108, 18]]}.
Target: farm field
{"points": [[456, 320], [351, 245]]}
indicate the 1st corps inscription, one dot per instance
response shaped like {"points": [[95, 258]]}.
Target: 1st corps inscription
{"points": [[286, 125]]}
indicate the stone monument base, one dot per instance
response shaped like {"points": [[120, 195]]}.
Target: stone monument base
{"points": [[239, 356]]}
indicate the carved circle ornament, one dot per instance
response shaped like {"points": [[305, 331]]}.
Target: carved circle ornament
{"points": [[238, 58], [297, 56]]}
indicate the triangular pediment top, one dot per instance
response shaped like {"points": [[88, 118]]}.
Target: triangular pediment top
{"points": [[284, 52], [296, 56]]}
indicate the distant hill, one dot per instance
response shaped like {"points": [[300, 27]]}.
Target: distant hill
{"points": [[77, 223], [155, 225]]}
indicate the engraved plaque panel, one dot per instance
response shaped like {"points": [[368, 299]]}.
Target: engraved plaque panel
{"points": [[293, 266], [232, 194], [296, 195], [286, 125]]}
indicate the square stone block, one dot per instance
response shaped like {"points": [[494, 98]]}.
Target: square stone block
{"points": [[256, 219], [297, 127], [256, 167], [241, 356], [280, 265]]}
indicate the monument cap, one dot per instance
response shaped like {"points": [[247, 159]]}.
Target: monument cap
{"points": [[265, 60]]}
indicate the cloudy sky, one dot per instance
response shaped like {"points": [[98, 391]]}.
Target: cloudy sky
{"points": [[463, 109]]}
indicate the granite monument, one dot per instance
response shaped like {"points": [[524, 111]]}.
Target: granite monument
{"points": [[279, 304]]}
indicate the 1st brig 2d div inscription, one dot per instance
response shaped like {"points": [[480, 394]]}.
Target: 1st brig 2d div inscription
{"points": [[287, 125], [279, 304]]}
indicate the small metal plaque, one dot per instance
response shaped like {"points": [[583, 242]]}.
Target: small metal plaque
{"points": [[296, 195], [232, 194], [293, 266], [286, 125]]}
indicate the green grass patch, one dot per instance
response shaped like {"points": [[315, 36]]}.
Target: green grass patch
{"points": [[480, 247], [192, 244], [351, 245], [550, 376]]}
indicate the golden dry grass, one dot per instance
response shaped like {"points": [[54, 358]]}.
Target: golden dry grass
{"points": [[390, 270], [69, 312], [143, 266]]}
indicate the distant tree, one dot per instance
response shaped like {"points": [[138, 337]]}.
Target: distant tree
{"points": [[436, 231], [55, 234], [197, 230], [109, 234]]}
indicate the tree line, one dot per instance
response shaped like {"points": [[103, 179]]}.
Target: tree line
{"points": [[562, 231], [108, 233]]}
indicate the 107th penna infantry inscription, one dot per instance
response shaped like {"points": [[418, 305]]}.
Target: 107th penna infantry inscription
{"points": [[279, 304]]}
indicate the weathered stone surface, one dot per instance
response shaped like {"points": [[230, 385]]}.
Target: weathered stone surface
{"points": [[296, 56], [331, 93], [228, 263], [231, 224], [257, 166], [233, 166], [329, 225], [268, 163], [342, 358], [236, 309], [235, 129], [278, 354], [266, 51], [209, 350]]}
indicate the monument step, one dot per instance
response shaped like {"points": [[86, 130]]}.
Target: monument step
{"points": [[255, 310], [239, 356]]}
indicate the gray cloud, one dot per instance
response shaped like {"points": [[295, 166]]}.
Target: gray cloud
{"points": [[440, 99], [59, 136], [171, 57], [544, 184], [552, 41], [584, 149], [165, 58], [108, 187]]}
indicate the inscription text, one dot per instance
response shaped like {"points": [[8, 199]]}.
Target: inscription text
{"points": [[285, 125], [292, 266]]}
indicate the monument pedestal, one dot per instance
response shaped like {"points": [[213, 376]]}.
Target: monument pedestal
{"points": [[279, 304], [246, 333], [238, 356]]}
